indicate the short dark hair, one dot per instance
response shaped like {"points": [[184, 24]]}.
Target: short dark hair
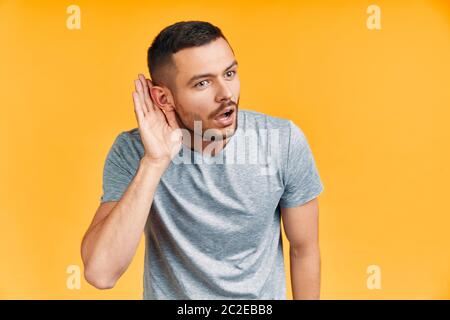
{"points": [[170, 40]]}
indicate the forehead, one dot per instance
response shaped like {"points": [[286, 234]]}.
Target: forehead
{"points": [[212, 57]]}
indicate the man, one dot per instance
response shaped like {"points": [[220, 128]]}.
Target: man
{"points": [[212, 228]]}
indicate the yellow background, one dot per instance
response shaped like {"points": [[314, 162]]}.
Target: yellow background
{"points": [[374, 105]]}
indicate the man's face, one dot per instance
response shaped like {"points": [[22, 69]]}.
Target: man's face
{"points": [[207, 84]]}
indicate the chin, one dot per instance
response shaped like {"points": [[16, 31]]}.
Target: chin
{"points": [[222, 133], [229, 132]]}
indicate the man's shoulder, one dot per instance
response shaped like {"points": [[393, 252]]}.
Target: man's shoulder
{"points": [[129, 136], [263, 120], [128, 143]]}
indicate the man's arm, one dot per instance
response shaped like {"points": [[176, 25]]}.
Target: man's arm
{"points": [[301, 228], [111, 241], [113, 237]]}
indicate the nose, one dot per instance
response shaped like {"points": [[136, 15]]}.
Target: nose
{"points": [[224, 93]]}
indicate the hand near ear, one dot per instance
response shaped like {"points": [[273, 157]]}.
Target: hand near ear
{"points": [[160, 132]]}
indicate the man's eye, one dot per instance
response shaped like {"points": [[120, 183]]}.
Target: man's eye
{"points": [[199, 84], [233, 73]]}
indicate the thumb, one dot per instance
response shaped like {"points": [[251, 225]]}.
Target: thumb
{"points": [[172, 119]]}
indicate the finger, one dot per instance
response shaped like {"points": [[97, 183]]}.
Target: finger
{"points": [[138, 110], [146, 90], [140, 93], [160, 114], [150, 85]]}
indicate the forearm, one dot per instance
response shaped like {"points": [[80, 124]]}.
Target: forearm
{"points": [[305, 272], [109, 247]]}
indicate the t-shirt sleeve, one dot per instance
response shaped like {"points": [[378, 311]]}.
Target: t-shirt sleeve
{"points": [[302, 180], [117, 173]]}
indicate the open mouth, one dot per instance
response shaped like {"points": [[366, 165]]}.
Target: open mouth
{"points": [[226, 118], [226, 114]]}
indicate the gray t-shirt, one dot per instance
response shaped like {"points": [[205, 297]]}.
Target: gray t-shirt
{"points": [[213, 231]]}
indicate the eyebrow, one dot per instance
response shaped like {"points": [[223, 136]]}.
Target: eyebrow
{"points": [[199, 76]]}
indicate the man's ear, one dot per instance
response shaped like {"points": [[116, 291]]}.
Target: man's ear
{"points": [[162, 98]]}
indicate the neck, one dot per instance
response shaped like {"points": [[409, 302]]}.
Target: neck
{"points": [[214, 147]]}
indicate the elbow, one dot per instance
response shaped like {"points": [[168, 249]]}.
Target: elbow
{"points": [[100, 280], [94, 274]]}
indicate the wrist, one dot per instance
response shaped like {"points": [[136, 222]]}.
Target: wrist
{"points": [[158, 165]]}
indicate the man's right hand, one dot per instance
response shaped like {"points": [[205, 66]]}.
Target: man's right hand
{"points": [[160, 131]]}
